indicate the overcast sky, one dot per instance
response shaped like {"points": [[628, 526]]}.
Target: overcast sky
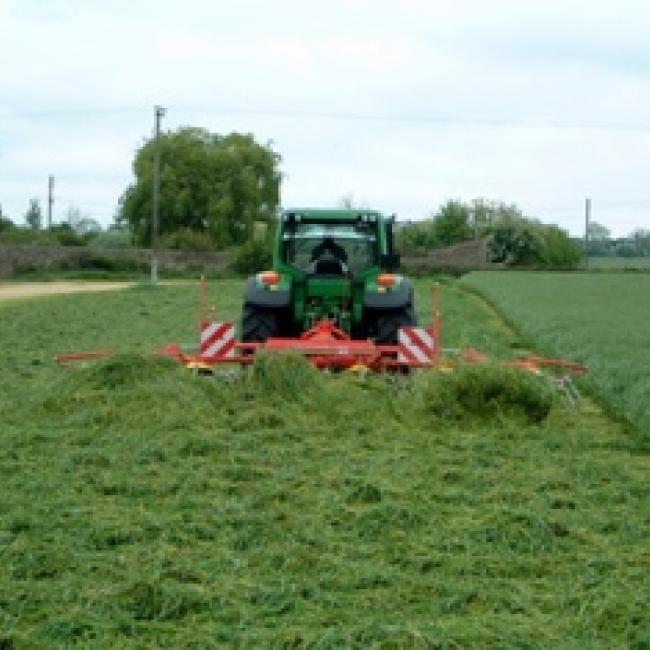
{"points": [[401, 104]]}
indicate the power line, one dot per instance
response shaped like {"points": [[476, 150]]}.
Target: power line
{"points": [[415, 118], [71, 112], [286, 113]]}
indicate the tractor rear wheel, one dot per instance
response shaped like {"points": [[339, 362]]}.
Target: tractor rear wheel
{"points": [[258, 324], [388, 324]]}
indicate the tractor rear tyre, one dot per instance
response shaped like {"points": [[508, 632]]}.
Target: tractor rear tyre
{"points": [[388, 325], [258, 324]]}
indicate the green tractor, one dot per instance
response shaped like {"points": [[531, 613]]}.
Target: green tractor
{"points": [[330, 264]]}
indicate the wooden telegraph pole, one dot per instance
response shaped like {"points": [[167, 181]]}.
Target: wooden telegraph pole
{"points": [[159, 111], [50, 200], [587, 220]]}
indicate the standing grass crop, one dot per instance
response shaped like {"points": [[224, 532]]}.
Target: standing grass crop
{"points": [[601, 319], [145, 507]]}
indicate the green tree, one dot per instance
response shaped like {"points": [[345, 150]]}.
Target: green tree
{"points": [[485, 214], [452, 223], [83, 224], [558, 250], [34, 215], [209, 183], [415, 238], [5, 222], [515, 244], [641, 239], [597, 232], [599, 239]]}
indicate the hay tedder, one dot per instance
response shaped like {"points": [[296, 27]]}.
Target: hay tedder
{"points": [[325, 345], [332, 296]]}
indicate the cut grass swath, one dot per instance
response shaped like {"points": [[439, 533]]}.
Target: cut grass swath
{"points": [[143, 506]]}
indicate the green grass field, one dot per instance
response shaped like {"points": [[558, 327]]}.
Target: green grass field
{"points": [[620, 263], [144, 507], [601, 319]]}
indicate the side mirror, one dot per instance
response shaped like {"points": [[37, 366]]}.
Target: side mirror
{"points": [[389, 262]]}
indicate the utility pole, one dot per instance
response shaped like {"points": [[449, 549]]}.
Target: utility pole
{"points": [[159, 111], [50, 200], [587, 220]]}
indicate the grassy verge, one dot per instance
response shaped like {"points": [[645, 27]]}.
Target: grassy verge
{"points": [[145, 507]]}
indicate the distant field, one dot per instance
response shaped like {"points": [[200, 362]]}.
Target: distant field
{"points": [[143, 507], [602, 319], [641, 263]]}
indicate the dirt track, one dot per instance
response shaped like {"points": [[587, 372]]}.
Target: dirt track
{"points": [[10, 291]]}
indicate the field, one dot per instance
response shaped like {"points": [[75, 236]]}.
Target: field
{"points": [[144, 507], [602, 319], [620, 263]]}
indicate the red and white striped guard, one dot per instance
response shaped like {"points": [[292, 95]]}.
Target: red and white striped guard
{"points": [[417, 345], [217, 340]]}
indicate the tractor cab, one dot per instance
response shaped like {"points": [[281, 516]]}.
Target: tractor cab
{"points": [[334, 265], [330, 249]]}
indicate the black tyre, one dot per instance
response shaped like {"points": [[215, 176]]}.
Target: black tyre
{"points": [[258, 324], [388, 324]]}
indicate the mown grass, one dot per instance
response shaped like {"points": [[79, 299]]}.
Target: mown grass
{"points": [[600, 319], [145, 507]]}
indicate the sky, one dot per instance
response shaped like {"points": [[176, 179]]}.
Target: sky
{"points": [[402, 105]]}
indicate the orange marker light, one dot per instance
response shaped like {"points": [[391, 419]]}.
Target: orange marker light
{"points": [[385, 280], [270, 277]]}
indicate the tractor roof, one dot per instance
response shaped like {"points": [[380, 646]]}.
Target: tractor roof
{"points": [[333, 214]]}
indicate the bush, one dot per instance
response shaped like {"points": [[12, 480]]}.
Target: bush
{"points": [[559, 251], [186, 239], [6, 224], [21, 235], [415, 238], [66, 236], [515, 244], [112, 238], [92, 261], [58, 235], [529, 243], [451, 224], [253, 256]]}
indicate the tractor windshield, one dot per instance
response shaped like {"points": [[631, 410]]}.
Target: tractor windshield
{"points": [[337, 248]]}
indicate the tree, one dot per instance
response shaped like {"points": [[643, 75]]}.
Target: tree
{"points": [[34, 215], [485, 214], [641, 238], [5, 222], [599, 239], [415, 238], [82, 224], [452, 223], [219, 185], [514, 239], [597, 232], [558, 250], [515, 244]]}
